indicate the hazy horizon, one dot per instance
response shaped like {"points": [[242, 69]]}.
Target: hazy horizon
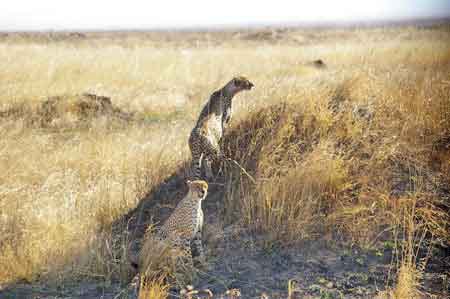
{"points": [[143, 15], [255, 25]]}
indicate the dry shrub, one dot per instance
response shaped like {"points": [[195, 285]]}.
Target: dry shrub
{"points": [[412, 249], [406, 286], [408, 274], [291, 206]]}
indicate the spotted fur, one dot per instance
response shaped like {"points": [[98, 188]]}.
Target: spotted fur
{"points": [[184, 226], [206, 137]]}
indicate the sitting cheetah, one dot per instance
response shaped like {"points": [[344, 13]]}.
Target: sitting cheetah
{"points": [[185, 224], [206, 137], [181, 231], [183, 228]]}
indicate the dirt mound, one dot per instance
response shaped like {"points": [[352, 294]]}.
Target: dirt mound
{"points": [[79, 110], [83, 105], [77, 107]]}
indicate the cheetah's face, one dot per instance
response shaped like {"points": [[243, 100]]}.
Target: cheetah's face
{"points": [[241, 83], [198, 188]]}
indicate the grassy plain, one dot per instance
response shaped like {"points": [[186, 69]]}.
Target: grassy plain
{"points": [[354, 153]]}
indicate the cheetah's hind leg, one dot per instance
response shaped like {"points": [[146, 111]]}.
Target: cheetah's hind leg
{"points": [[196, 165], [208, 169], [205, 166]]}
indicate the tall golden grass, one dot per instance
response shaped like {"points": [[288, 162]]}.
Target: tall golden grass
{"points": [[339, 159], [335, 151]]}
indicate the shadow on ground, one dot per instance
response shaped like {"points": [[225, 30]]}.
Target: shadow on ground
{"points": [[239, 259]]}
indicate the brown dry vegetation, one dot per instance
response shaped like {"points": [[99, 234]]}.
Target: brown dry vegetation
{"points": [[354, 153]]}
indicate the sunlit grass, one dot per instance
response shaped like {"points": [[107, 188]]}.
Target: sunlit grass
{"points": [[332, 149]]}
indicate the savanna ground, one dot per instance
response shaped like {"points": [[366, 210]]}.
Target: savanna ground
{"points": [[351, 159]]}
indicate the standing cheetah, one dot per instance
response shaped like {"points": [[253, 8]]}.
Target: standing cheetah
{"points": [[206, 137]]}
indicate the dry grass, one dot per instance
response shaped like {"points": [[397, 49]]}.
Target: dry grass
{"points": [[339, 163], [337, 152], [160, 261], [407, 283], [162, 266], [69, 194], [411, 238], [156, 289]]}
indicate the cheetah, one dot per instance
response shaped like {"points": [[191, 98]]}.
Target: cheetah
{"points": [[183, 228], [185, 224], [181, 231], [206, 137]]}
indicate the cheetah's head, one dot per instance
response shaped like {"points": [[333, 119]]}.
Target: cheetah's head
{"points": [[238, 84], [198, 188]]}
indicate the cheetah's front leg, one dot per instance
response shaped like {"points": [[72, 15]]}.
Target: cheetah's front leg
{"points": [[197, 249]]}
